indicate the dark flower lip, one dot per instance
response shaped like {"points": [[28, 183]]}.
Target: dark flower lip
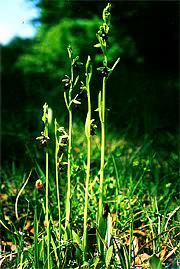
{"points": [[77, 65], [67, 82], [43, 139], [66, 86], [104, 71], [104, 35], [93, 129]]}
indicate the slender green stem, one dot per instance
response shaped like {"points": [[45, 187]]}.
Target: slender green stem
{"points": [[68, 205], [102, 36], [47, 201], [103, 105], [86, 194], [102, 223], [88, 136], [68, 199], [36, 250], [45, 133], [47, 213], [57, 179]]}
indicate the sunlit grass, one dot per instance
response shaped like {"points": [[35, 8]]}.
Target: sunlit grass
{"points": [[147, 213]]}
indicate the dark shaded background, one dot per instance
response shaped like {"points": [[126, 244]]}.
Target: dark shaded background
{"points": [[143, 91]]}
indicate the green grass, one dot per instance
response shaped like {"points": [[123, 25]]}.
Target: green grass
{"points": [[91, 201], [140, 190]]}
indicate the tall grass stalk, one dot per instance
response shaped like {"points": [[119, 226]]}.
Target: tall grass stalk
{"points": [[88, 136], [20, 192]]}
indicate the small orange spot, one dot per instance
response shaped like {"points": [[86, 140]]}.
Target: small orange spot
{"points": [[114, 217], [39, 184], [77, 150], [28, 225], [32, 230]]}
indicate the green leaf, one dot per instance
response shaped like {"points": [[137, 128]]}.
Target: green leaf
{"points": [[78, 245], [76, 81], [66, 102], [87, 125], [111, 70], [76, 102], [109, 230], [116, 62], [100, 68], [100, 105], [88, 69], [76, 239], [97, 45], [40, 172], [85, 264], [109, 256], [155, 262]]}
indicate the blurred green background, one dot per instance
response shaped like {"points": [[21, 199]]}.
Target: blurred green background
{"points": [[143, 91]]}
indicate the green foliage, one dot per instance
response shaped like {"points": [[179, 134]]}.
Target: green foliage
{"points": [[151, 211], [32, 69], [48, 51], [155, 262], [109, 256]]}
